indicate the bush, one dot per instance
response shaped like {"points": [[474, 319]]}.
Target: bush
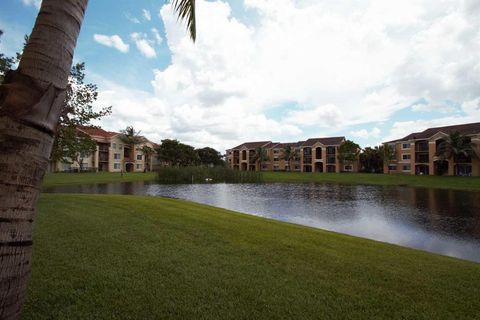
{"points": [[176, 175]]}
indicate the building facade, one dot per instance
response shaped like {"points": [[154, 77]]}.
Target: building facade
{"points": [[418, 153], [313, 155], [111, 155]]}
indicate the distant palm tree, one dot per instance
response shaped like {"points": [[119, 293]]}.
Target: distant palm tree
{"points": [[131, 139], [260, 156], [289, 155], [147, 152]]}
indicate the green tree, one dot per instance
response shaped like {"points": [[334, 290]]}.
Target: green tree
{"points": [[386, 152], [131, 139], [289, 155], [6, 63], [175, 153], [455, 146], [31, 101], [348, 152], [371, 160], [209, 156], [260, 156], [148, 152], [77, 112]]}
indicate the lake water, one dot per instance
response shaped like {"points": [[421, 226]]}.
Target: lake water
{"points": [[440, 221]]}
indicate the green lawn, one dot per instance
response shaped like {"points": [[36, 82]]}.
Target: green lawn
{"points": [[55, 179], [130, 257], [457, 183]]}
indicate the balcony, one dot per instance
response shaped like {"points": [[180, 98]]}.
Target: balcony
{"points": [[421, 158], [421, 146]]}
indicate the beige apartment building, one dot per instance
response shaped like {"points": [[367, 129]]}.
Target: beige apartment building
{"points": [[314, 155], [417, 153], [111, 155]]}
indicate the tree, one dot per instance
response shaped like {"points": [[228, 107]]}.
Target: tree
{"points": [[209, 156], [131, 139], [175, 153], [6, 63], [31, 100], [148, 152], [370, 160], [348, 152], [71, 145], [78, 112], [260, 156], [456, 147], [289, 155]]}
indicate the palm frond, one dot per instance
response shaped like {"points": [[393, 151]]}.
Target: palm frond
{"points": [[186, 12]]}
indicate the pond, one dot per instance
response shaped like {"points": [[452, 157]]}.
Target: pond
{"points": [[440, 221]]}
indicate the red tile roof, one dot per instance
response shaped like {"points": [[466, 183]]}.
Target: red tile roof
{"points": [[98, 132]]}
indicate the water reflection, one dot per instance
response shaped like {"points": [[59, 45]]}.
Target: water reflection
{"points": [[441, 221]]}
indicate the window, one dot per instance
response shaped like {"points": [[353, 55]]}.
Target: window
{"points": [[275, 167], [406, 167], [116, 156], [139, 166], [406, 156], [348, 168], [116, 166], [392, 167], [275, 151], [405, 145], [114, 145], [120, 146], [275, 159], [139, 157]]}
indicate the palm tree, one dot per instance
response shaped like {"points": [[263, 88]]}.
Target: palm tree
{"points": [[31, 101], [148, 152], [290, 155], [456, 146], [260, 156], [131, 139], [386, 153]]}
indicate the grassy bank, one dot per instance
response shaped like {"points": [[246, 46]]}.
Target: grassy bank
{"points": [[55, 179], [456, 183], [127, 257]]}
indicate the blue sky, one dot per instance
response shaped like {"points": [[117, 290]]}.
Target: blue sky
{"points": [[280, 70]]}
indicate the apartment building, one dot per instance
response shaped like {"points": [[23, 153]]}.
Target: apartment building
{"points": [[314, 155], [418, 153], [111, 155]]}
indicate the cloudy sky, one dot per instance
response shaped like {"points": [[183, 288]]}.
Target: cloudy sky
{"points": [[281, 70]]}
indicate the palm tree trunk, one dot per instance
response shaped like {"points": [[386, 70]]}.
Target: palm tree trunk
{"points": [[31, 100]]}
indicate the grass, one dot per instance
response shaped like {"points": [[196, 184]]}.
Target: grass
{"points": [[130, 257], [55, 179], [455, 183], [200, 174]]}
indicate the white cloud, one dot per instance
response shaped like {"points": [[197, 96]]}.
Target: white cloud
{"points": [[365, 134], [336, 64], [146, 14], [35, 3], [132, 19], [143, 45], [156, 34], [112, 41]]}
